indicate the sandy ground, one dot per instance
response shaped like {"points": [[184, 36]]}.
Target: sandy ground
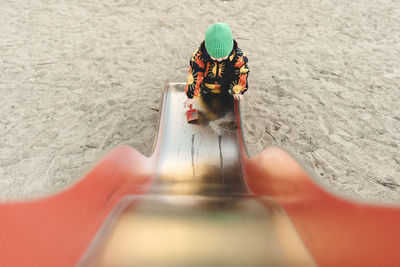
{"points": [[78, 78]]}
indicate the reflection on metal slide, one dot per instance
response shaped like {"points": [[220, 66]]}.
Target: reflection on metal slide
{"points": [[198, 200]]}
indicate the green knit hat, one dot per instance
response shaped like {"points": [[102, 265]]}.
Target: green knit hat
{"points": [[219, 40]]}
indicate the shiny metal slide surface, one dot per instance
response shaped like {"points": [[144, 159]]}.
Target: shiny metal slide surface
{"points": [[198, 200], [198, 211]]}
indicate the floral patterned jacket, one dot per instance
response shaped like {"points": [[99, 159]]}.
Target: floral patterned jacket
{"points": [[208, 76]]}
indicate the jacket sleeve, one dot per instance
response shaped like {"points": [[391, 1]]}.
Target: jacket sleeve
{"points": [[239, 83], [196, 74]]}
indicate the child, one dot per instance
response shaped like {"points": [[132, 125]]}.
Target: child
{"points": [[217, 66]]}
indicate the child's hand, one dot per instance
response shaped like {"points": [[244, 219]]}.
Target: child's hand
{"points": [[238, 97], [188, 102]]}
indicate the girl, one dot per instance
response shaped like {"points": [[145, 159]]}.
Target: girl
{"points": [[218, 66]]}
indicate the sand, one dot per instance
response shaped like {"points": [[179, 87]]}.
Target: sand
{"points": [[78, 78]]}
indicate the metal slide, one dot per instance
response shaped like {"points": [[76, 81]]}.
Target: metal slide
{"points": [[197, 201]]}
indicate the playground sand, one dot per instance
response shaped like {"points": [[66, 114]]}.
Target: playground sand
{"points": [[78, 78]]}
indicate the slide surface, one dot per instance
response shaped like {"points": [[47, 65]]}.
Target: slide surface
{"points": [[198, 200]]}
